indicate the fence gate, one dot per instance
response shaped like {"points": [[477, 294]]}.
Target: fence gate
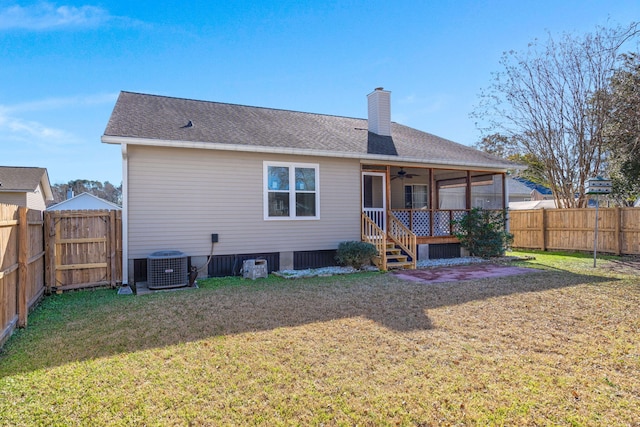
{"points": [[83, 249]]}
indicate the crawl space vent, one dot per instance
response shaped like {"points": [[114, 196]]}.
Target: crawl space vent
{"points": [[167, 269]]}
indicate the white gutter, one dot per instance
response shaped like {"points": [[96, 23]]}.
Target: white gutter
{"points": [[125, 215], [292, 151]]}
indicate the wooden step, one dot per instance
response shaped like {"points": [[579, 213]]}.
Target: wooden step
{"points": [[397, 257], [394, 265]]}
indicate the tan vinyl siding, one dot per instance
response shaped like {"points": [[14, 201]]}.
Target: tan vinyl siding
{"points": [[35, 200], [178, 197], [16, 199]]}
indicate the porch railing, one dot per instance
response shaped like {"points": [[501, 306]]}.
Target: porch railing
{"points": [[429, 222], [375, 235], [377, 215], [403, 237], [396, 233]]}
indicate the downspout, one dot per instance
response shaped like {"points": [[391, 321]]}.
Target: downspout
{"points": [[125, 216], [505, 191], [505, 199], [467, 201]]}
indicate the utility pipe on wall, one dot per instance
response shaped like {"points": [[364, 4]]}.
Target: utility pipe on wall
{"points": [[125, 216]]}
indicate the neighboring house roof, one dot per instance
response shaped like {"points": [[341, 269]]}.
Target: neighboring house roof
{"points": [[533, 204], [16, 179], [176, 122], [84, 201], [518, 188], [533, 186]]}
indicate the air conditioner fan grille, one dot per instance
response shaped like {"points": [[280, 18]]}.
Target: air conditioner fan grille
{"points": [[167, 269]]}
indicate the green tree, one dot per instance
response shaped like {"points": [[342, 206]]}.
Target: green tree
{"points": [[106, 190], [509, 149], [622, 133], [535, 168], [499, 145]]}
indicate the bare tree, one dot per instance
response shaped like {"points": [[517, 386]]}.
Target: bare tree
{"points": [[549, 99]]}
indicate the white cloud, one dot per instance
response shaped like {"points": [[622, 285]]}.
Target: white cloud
{"points": [[423, 111], [58, 103], [409, 99], [24, 128], [46, 16], [13, 127], [426, 104]]}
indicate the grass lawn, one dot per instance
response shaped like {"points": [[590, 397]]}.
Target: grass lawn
{"points": [[559, 346]]}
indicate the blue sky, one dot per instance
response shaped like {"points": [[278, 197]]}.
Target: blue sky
{"points": [[62, 64]]}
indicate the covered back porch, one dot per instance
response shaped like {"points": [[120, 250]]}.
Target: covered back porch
{"points": [[404, 207]]}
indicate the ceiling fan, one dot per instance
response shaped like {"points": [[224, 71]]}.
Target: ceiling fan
{"points": [[402, 174]]}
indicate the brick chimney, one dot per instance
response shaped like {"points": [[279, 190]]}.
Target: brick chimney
{"points": [[380, 111]]}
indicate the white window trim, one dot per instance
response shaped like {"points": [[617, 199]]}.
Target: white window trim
{"points": [[426, 186], [292, 191]]}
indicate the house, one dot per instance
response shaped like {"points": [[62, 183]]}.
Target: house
{"points": [[288, 186], [523, 190], [25, 186], [84, 201], [525, 194]]}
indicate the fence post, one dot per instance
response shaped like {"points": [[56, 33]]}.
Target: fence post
{"points": [[50, 247], [617, 232], [111, 268], [23, 270], [48, 253], [543, 229]]}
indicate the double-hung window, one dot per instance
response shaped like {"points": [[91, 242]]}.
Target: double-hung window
{"points": [[291, 191], [416, 196]]}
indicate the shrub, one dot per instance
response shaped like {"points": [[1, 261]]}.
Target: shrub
{"points": [[482, 232], [355, 254]]}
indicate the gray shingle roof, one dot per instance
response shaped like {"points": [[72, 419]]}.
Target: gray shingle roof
{"points": [[20, 179], [160, 118]]}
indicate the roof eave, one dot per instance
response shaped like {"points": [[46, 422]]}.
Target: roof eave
{"points": [[16, 190], [46, 186], [110, 139]]}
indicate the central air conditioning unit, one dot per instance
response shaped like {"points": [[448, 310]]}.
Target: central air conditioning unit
{"points": [[167, 269]]}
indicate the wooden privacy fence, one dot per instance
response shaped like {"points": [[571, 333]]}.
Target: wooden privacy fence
{"points": [[21, 266], [573, 229], [84, 249]]}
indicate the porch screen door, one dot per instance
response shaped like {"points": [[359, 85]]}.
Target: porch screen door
{"points": [[374, 203]]}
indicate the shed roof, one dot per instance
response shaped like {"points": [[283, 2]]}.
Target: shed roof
{"points": [[84, 201], [166, 121], [532, 204], [25, 180]]}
